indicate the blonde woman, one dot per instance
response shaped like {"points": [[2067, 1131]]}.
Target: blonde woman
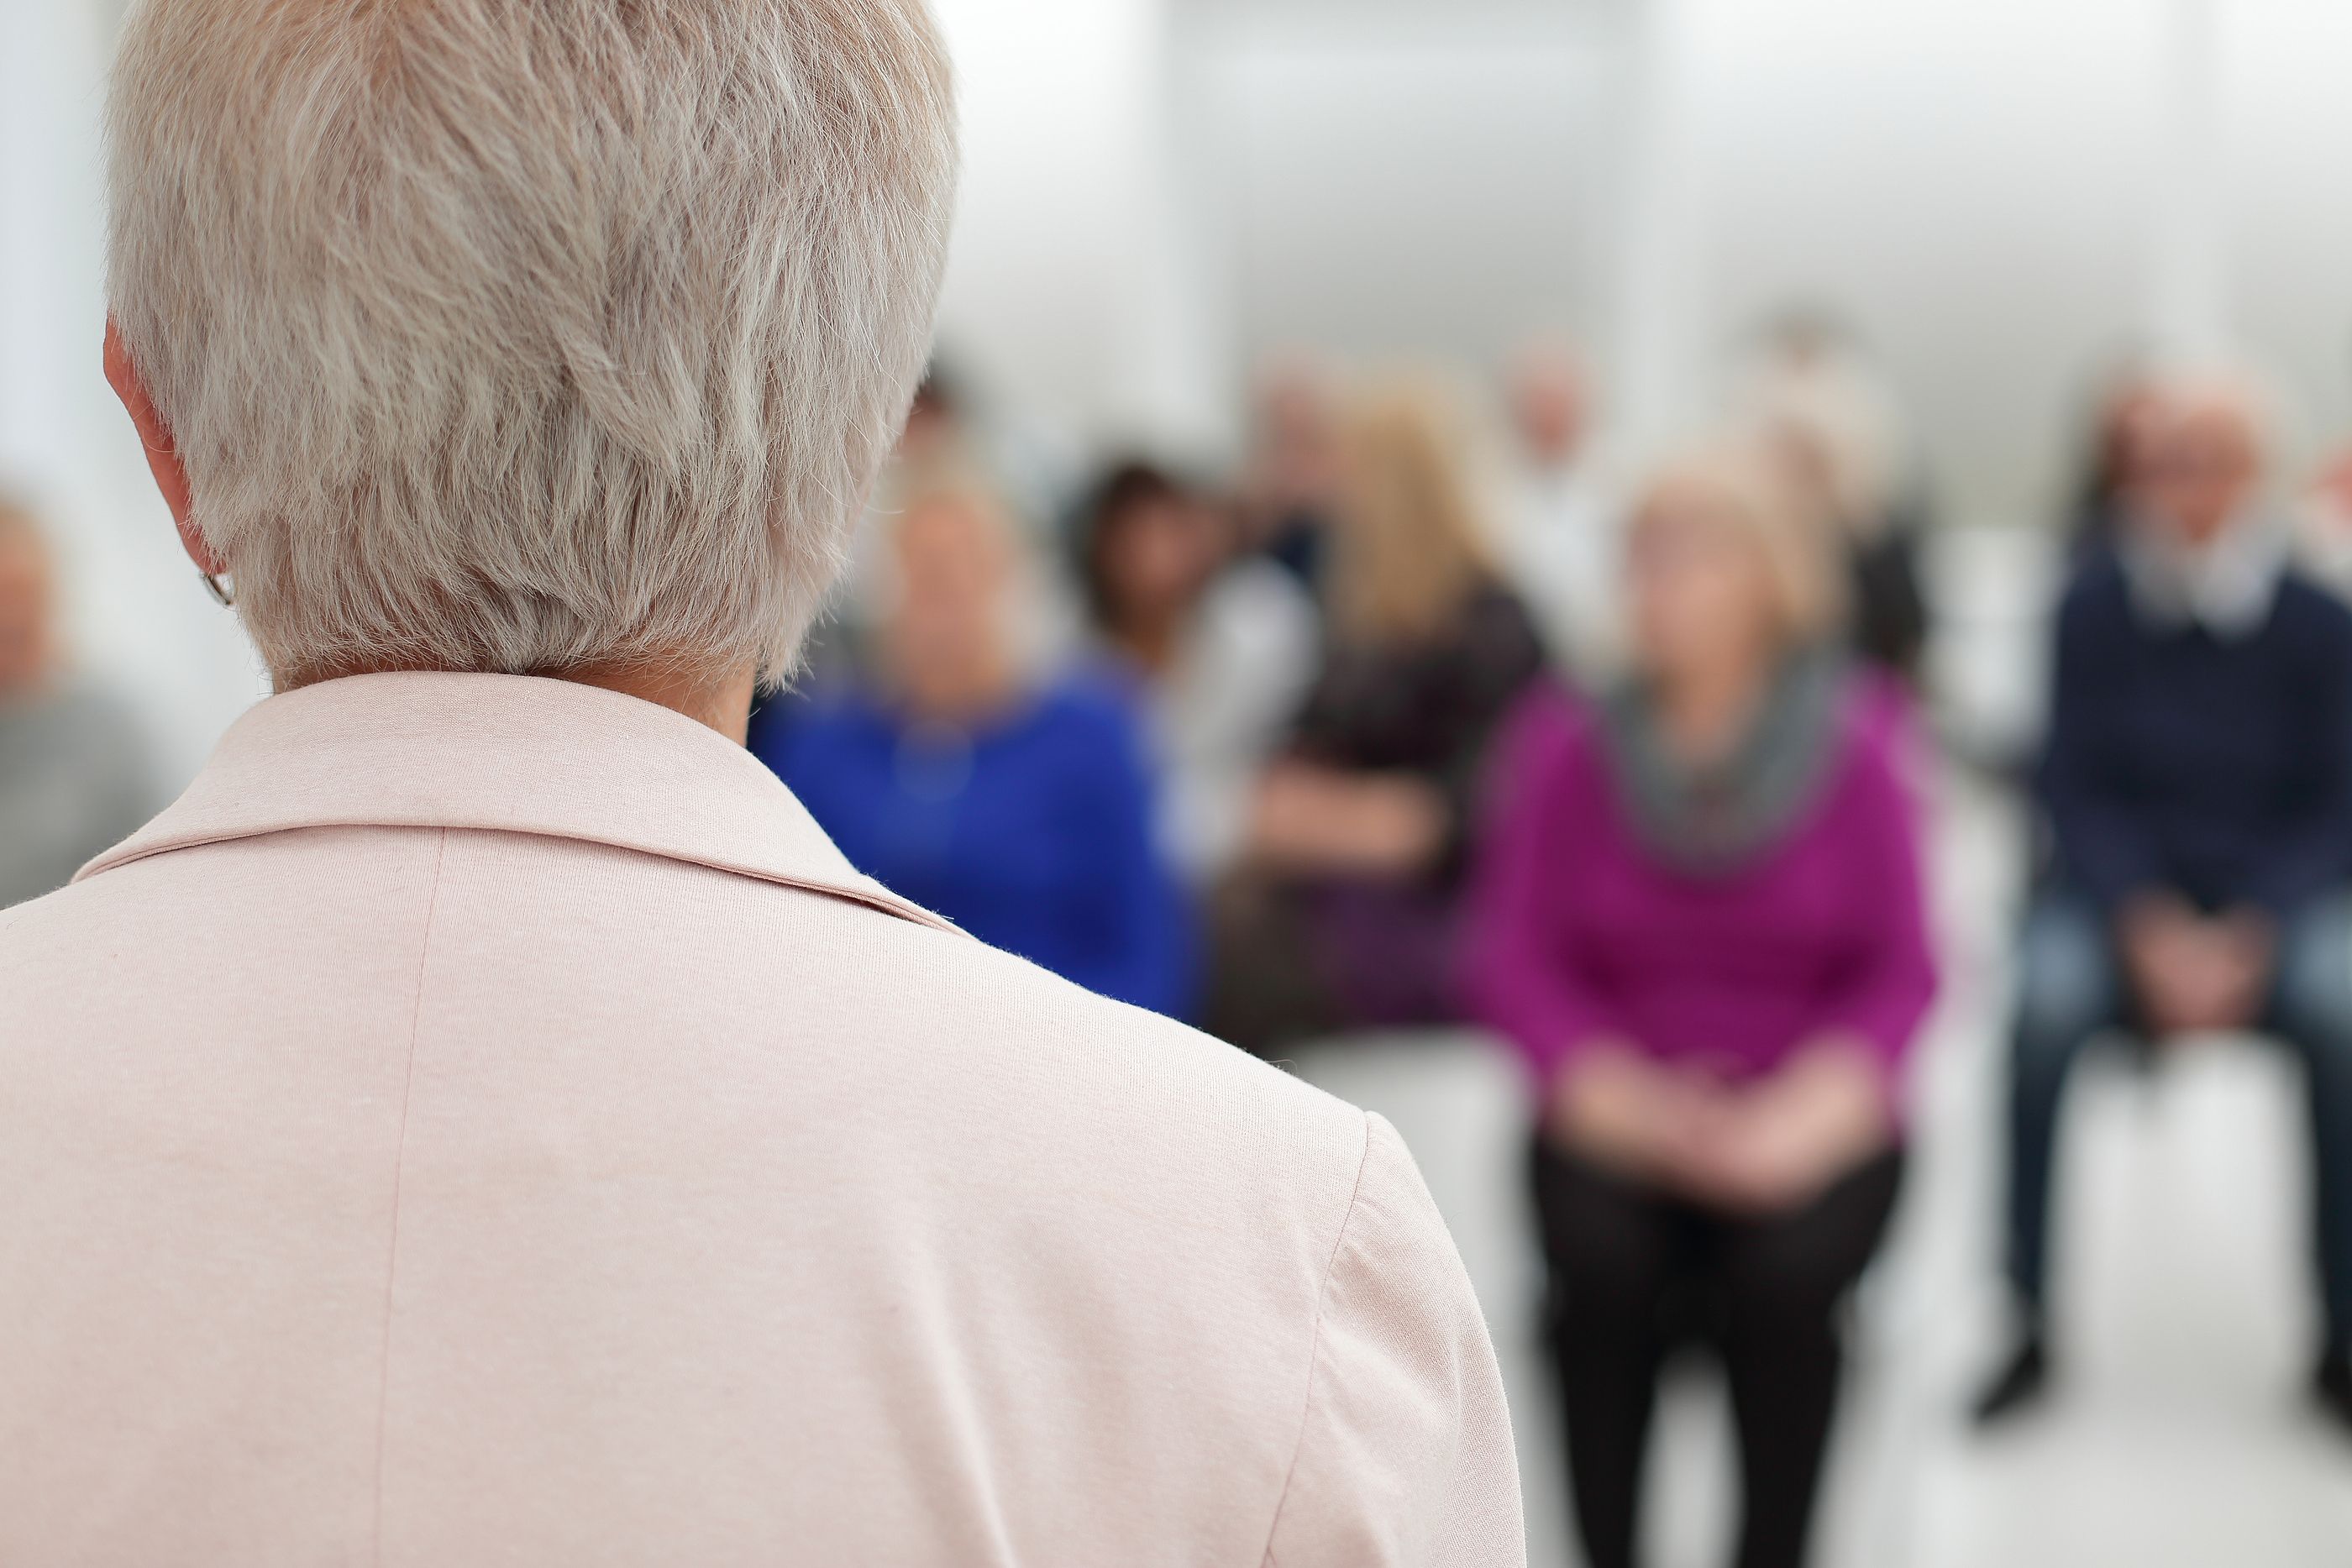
{"points": [[1698, 917], [1343, 917]]}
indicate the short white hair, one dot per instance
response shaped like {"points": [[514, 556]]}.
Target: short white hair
{"points": [[2236, 393], [1743, 479], [524, 337]]}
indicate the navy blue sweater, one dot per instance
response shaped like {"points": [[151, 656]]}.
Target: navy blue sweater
{"points": [[2216, 767]]}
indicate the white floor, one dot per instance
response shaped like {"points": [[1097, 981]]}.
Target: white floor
{"points": [[2178, 1435]]}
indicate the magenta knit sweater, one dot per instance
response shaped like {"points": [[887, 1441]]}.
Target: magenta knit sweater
{"points": [[1578, 933]]}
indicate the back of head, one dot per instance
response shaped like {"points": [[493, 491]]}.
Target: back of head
{"points": [[528, 338], [1411, 547]]}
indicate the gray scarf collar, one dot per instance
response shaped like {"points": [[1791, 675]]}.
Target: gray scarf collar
{"points": [[1709, 820]]}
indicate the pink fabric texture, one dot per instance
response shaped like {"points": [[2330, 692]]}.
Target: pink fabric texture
{"points": [[486, 1120]]}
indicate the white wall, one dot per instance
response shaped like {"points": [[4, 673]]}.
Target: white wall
{"points": [[1975, 182], [2004, 194], [1400, 186], [2286, 161], [1079, 288]]}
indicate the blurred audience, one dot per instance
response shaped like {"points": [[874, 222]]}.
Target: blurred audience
{"points": [[75, 776], [1018, 805], [1837, 426], [1699, 918], [1561, 540], [1291, 484], [2198, 778], [1341, 913], [1223, 649]]}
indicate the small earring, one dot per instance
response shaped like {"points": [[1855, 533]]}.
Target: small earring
{"points": [[224, 598]]}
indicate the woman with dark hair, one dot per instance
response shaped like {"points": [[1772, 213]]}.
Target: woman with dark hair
{"points": [[1698, 917], [1222, 648]]}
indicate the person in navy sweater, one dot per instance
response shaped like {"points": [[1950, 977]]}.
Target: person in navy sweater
{"points": [[2197, 781], [1019, 807]]}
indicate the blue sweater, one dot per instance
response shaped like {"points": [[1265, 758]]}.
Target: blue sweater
{"points": [[2218, 768], [1033, 834]]}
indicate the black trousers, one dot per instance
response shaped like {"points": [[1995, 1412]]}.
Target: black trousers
{"points": [[1636, 1273]]}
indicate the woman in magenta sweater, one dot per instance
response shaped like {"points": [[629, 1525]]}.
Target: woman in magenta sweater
{"points": [[1698, 916]]}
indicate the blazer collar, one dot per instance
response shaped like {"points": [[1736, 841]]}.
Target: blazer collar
{"points": [[505, 754]]}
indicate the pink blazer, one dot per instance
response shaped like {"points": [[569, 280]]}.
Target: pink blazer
{"points": [[485, 1120]]}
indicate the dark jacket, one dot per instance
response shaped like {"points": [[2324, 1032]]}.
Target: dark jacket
{"points": [[2217, 768], [1426, 709]]}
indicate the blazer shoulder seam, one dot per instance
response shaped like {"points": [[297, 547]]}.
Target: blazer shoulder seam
{"points": [[1315, 1341]]}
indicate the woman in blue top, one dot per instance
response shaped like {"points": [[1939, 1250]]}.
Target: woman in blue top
{"points": [[1020, 809]]}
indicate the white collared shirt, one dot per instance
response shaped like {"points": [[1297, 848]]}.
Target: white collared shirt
{"points": [[2227, 588]]}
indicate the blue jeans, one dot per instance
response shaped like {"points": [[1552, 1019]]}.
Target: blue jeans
{"points": [[2071, 989]]}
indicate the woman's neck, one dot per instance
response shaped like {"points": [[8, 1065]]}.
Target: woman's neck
{"points": [[959, 692], [723, 703], [1706, 711], [720, 701], [1150, 641]]}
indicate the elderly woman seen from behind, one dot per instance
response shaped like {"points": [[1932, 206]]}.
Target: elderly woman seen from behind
{"points": [[486, 1117], [1699, 919]]}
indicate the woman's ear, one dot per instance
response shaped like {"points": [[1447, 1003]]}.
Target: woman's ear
{"points": [[162, 452]]}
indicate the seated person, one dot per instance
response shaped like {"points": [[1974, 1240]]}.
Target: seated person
{"points": [[1829, 414], [1563, 539], [1019, 807], [75, 777], [1289, 488], [1341, 913], [1222, 649], [1697, 915], [2198, 778]]}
